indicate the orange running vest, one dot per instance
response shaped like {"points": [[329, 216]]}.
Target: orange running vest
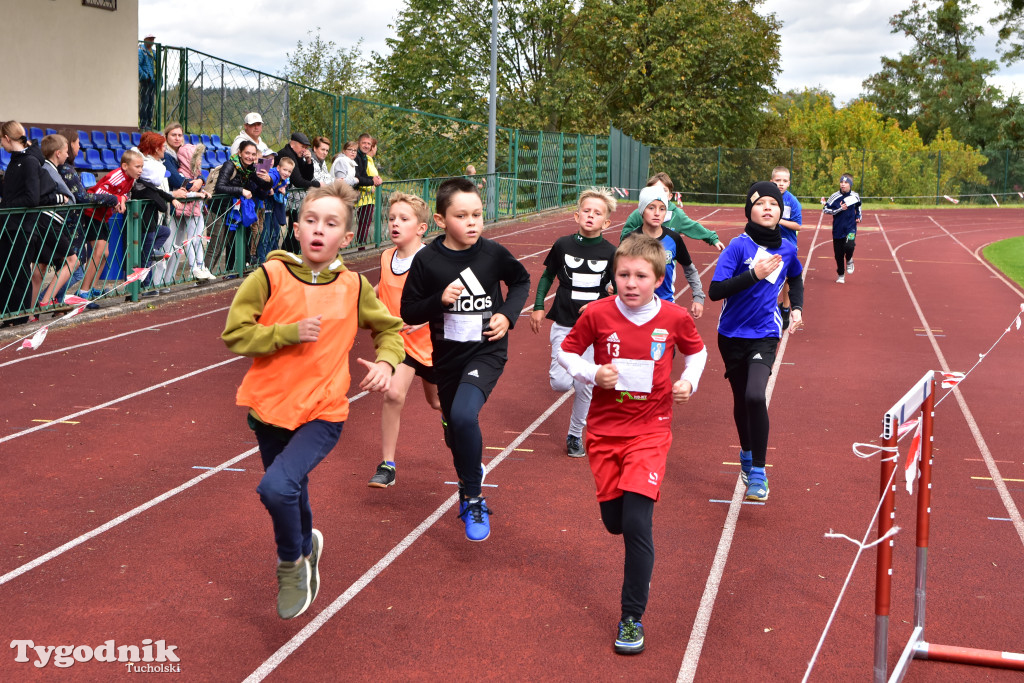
{"points": [[305, 381], [389, 291]]}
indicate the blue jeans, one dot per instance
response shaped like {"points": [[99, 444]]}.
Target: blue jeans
{"points": [[288, 458]]}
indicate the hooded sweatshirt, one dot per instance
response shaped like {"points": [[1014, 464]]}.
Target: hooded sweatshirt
{"points": [[292, 383]]}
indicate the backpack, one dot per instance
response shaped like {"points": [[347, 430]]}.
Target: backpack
{"points": [[211, 180]]}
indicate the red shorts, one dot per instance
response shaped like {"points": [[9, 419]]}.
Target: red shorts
{"points": [[630, 463]]}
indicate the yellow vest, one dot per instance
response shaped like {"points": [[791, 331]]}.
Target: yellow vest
{"points": [[368, 194]]}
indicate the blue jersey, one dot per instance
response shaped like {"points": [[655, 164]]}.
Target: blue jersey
{"points": [[791, 211], [675, 251], [754, 312]]}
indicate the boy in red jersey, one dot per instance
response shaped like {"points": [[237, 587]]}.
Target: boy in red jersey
{"points": [[297, 316], [407, 223], [629, 431]]}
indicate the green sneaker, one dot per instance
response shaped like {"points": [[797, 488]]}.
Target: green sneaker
{"points": [[314, 564], [293, 594], [630, 640]]}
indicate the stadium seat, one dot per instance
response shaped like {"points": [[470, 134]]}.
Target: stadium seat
{"points": [[88, 179], [136, 139], [204, 173], [113, 140], [80, 159], [99, 139], [217, 144], [5, 158], [194, 139], [206, 140], [84, 141], [222, 156], [93, 162], [209, 159], [124, 140], [35, 133], [109, 160], [51, 131]]}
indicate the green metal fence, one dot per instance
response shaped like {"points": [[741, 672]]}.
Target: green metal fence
{"points": [[719, 174]]}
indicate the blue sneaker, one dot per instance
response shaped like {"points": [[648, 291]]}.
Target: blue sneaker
{"points": [[757, 489], [474, 512], [746, 462], [630, 640]]}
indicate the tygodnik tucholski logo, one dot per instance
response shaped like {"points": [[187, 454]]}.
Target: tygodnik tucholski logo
{"points": [[149, 657]]}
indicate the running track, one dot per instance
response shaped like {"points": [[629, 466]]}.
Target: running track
{"points": [[111, 533]]}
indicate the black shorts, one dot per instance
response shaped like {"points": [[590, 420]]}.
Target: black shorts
{"points": [[49, 244], [95, 230], [424, 372], [738, 352], [482, 372]]}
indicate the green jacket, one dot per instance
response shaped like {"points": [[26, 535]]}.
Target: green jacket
{"points": [[245, 336], [676, 220]]}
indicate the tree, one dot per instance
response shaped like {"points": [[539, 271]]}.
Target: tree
{"points": [[1011, 33], [939, 84], [322, 66]]}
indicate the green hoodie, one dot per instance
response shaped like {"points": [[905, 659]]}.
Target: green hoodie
{"points": [[245, 336], [675, 220]]}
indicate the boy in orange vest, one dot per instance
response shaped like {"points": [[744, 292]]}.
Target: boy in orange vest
{"points": [[407, 223], [297, 317]]}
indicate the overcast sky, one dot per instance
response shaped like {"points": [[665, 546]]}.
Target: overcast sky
{"points": [[834, 45]]}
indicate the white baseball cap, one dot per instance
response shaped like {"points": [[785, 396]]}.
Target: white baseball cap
{"points": [[253, 117]]}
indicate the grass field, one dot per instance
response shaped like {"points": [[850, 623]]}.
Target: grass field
{"points": [[1008, 257]]}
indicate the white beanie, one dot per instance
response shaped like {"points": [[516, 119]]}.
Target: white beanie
{"points": [[650, 194]]}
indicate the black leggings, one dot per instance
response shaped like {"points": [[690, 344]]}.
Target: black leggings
{"points": [[750, 408], [467, 443], [843, 250], [632, 516]]}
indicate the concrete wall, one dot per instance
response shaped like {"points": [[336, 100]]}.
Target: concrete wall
{"points": [[67, 64]]}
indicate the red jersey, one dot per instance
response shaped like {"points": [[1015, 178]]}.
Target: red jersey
{"points": [[641, 403], [115, 183]]}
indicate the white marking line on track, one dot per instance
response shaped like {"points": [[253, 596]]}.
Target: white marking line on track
{"points": [[120, 399], [993, 468], [15, 573], [691, 657], [148, 328], [373, 572]]}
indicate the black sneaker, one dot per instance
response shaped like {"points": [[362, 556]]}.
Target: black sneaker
{"points": [[630, 640], [785, 317], [574, 446], [383, 477]]}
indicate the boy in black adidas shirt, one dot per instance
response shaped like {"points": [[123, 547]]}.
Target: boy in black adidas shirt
{"points": [[582, 265], [455, 286]]}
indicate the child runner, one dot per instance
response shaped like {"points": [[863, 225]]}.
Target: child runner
{"points": [[454, 284], [749, 276], [634, 336], [297, 317], [407, 223], [844, 207], [675, 218], [582, 265], [652, 206], [789, 225]]}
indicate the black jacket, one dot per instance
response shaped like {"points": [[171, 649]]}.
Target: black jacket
{"points": [[362, 179], [231, 182], [26, 183], [302, 177]]}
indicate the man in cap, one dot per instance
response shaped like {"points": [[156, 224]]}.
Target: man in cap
{"points": [[251, 131], [147, 82]]}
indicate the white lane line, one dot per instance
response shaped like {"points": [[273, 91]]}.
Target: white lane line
{"points": [[112, 337], [15, 573], [120, 399], [373, 572], [691, 657]]}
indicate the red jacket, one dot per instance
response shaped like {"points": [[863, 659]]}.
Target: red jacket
{"points": [[115, 183]]}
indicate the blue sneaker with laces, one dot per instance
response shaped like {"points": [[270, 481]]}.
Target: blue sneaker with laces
{"points": [[757, 488], [474, 512], [746, 462], [630, 639]]}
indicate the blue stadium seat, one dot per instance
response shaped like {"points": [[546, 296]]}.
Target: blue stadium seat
{"points": [[124, 141], [204, 173], [34, 132], [88, 179], [113, 140], [206, 140], [109, 160], [99, 139], [209, 159], [217, 144], [37, 140], [84, 141], [80, 159], [194, 139], [5, 158], [222, 156], [136, 139], [93, 162], [51, 131]]}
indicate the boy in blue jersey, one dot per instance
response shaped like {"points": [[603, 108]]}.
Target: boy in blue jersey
{"points": [[844, 207], [789, 226], [653, 206], [749, 276]]}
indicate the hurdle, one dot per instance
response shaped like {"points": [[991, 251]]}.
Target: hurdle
{"points": [[920, 397]]}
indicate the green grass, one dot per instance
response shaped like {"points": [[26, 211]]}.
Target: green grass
{"points": [[1008, 256]]}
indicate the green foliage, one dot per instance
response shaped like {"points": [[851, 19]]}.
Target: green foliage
{"points": [[324, 66], [1011, 31], [940, 83]]}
